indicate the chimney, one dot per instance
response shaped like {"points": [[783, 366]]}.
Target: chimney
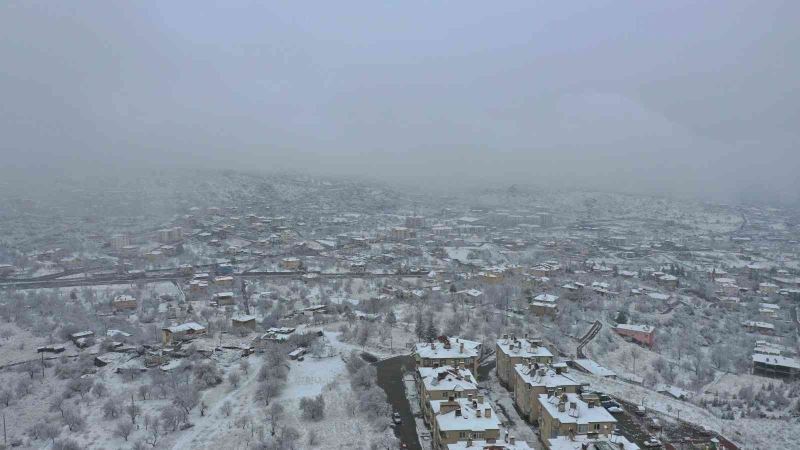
{"points": [[461, 348], [469, 397], [487, 412], [512, 440], [478, 413], [480, 398], [590, 403], [458, 412]]}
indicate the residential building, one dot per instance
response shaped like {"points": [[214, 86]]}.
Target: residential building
{"points": [[445, 351], [182, 332], [243, 322], [569, 415], [642, 334], [124, 303], [776, 366], [462, 419], [532, 380], [507, 443], [512, 351], [583, 442], [442, 383], [224, 298]]}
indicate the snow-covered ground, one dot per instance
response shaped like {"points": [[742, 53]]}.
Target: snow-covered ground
{"points": [[760, 434]]}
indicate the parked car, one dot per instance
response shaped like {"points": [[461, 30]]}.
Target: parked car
{"points": [[652, 443], [640, 410], [615, 410], [396, 418]]}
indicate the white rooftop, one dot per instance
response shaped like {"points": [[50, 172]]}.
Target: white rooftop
{"points": [[447, 378], [581, 413], [544, 376], [499, 444], [610, 443], [467, 417], [775, 360], [452, 349], [637, 328], [522, 348]]}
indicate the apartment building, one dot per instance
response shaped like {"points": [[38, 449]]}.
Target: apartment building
{"points": [[532, 380], [443, 383], [461, 419], [569, 415], [512, 351], [447, 351]]}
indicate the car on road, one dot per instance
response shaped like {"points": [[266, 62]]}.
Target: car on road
{"points": [[396, 418], [640, 410], [652, 443], [615, 410]]}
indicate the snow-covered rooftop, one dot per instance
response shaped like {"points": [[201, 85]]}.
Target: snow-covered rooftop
{"points": [[452, 348], [576, 410], [447, 378], [470, 415], [523, 348], [576, 443], [544, 376]]}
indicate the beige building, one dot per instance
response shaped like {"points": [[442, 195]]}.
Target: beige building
{"points": [[532, 380], [443, 383], [124, 303], [512, 351], [182, 332], [462, 419], [568, 415], [291, 263]]}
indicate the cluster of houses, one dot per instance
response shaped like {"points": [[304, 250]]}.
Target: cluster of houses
{"points": [[461, 417]]}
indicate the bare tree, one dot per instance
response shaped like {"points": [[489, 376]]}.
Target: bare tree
{"points": [[6, 397], [49, 431], [227, 408], [274, 414], [268, 389], [123, 429], [111, 409], [133, 411], [155, 432], [73, 418], [313, 408], [233, 379], [186, 398]]}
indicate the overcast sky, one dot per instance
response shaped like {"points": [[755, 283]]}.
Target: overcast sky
{"points": [[670, 96]]}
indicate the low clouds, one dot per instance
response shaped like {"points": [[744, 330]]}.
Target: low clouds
{"points": [[673, 97]]}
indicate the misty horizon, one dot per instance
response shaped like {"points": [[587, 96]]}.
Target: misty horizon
{"points": [[673, 98]]}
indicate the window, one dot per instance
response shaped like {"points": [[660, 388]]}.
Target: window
{"points": [[595, 426], [583, 428]]}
